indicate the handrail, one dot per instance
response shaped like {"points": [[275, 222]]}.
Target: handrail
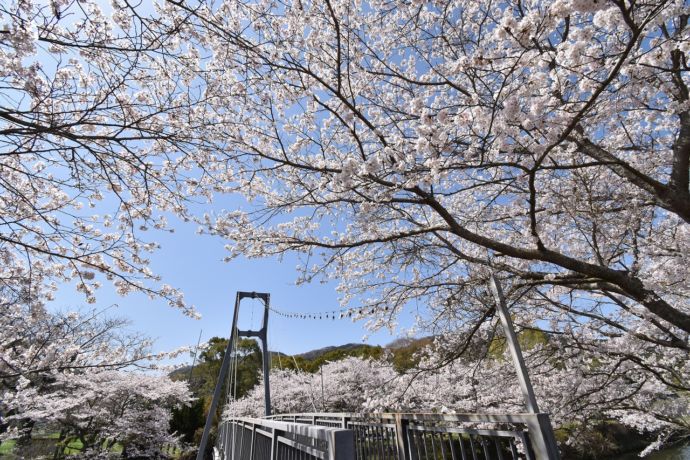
{"points": [[422, 416], [245, 438], [532, 430], [322, 433]]}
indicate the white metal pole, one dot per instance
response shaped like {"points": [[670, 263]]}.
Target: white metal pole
{"points": [[514, 347]]}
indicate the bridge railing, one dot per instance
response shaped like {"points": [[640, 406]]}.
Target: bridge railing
{"points": [[441, 436], [263, 439]]}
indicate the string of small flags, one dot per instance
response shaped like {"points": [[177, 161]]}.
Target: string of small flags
{"points": [[342, 313]]}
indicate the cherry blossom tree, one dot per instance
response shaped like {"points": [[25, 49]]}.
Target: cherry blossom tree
{"points": [[341, 386], [36, 343], [102, 408], [579, 391], [101, 135], [406, 149], [84, 374], [581, 388], [409, 148]]}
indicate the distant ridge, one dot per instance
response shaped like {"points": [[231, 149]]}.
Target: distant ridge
{"points": [[313, 354], [403, 350]]}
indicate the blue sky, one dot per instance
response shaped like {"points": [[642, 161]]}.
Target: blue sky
{"points": [[194, 263]]}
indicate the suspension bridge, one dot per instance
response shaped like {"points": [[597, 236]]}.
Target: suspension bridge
{"points": [[382, 436]]}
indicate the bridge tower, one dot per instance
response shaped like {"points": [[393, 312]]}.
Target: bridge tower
{"points": [[261, 334]]}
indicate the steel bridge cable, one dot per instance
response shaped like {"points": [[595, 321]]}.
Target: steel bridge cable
{"points": [[280, 363], [230, 411], [231, 389], [251, 319], [237, 365]]}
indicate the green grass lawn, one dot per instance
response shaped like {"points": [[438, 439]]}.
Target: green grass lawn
{"points": [[7, 446], [74, 446]]}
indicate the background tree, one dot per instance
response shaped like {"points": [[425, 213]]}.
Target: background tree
{"points": [[104, 408], [314, 360], [83, 374], [205, 374], [599, 407], [188, 421]]}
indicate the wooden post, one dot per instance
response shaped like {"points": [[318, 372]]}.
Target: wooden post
{"points": [[402, 437], [274, 444], [253, 441], [341, 445]]}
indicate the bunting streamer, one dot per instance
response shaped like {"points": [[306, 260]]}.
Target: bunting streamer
{"points": [[341, 313]]}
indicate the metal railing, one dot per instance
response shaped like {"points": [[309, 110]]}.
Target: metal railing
{"points": [[262, 439], [441, 436]]}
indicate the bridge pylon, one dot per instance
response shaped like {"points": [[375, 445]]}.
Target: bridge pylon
{"points": [[262, 335]]}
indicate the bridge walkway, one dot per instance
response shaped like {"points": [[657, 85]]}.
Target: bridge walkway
{"points": [[394, 436]]}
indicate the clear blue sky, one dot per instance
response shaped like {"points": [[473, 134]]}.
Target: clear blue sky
{"points": [[194, 264]]}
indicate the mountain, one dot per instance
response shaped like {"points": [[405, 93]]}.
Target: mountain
{"points": [[313, 354]]}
